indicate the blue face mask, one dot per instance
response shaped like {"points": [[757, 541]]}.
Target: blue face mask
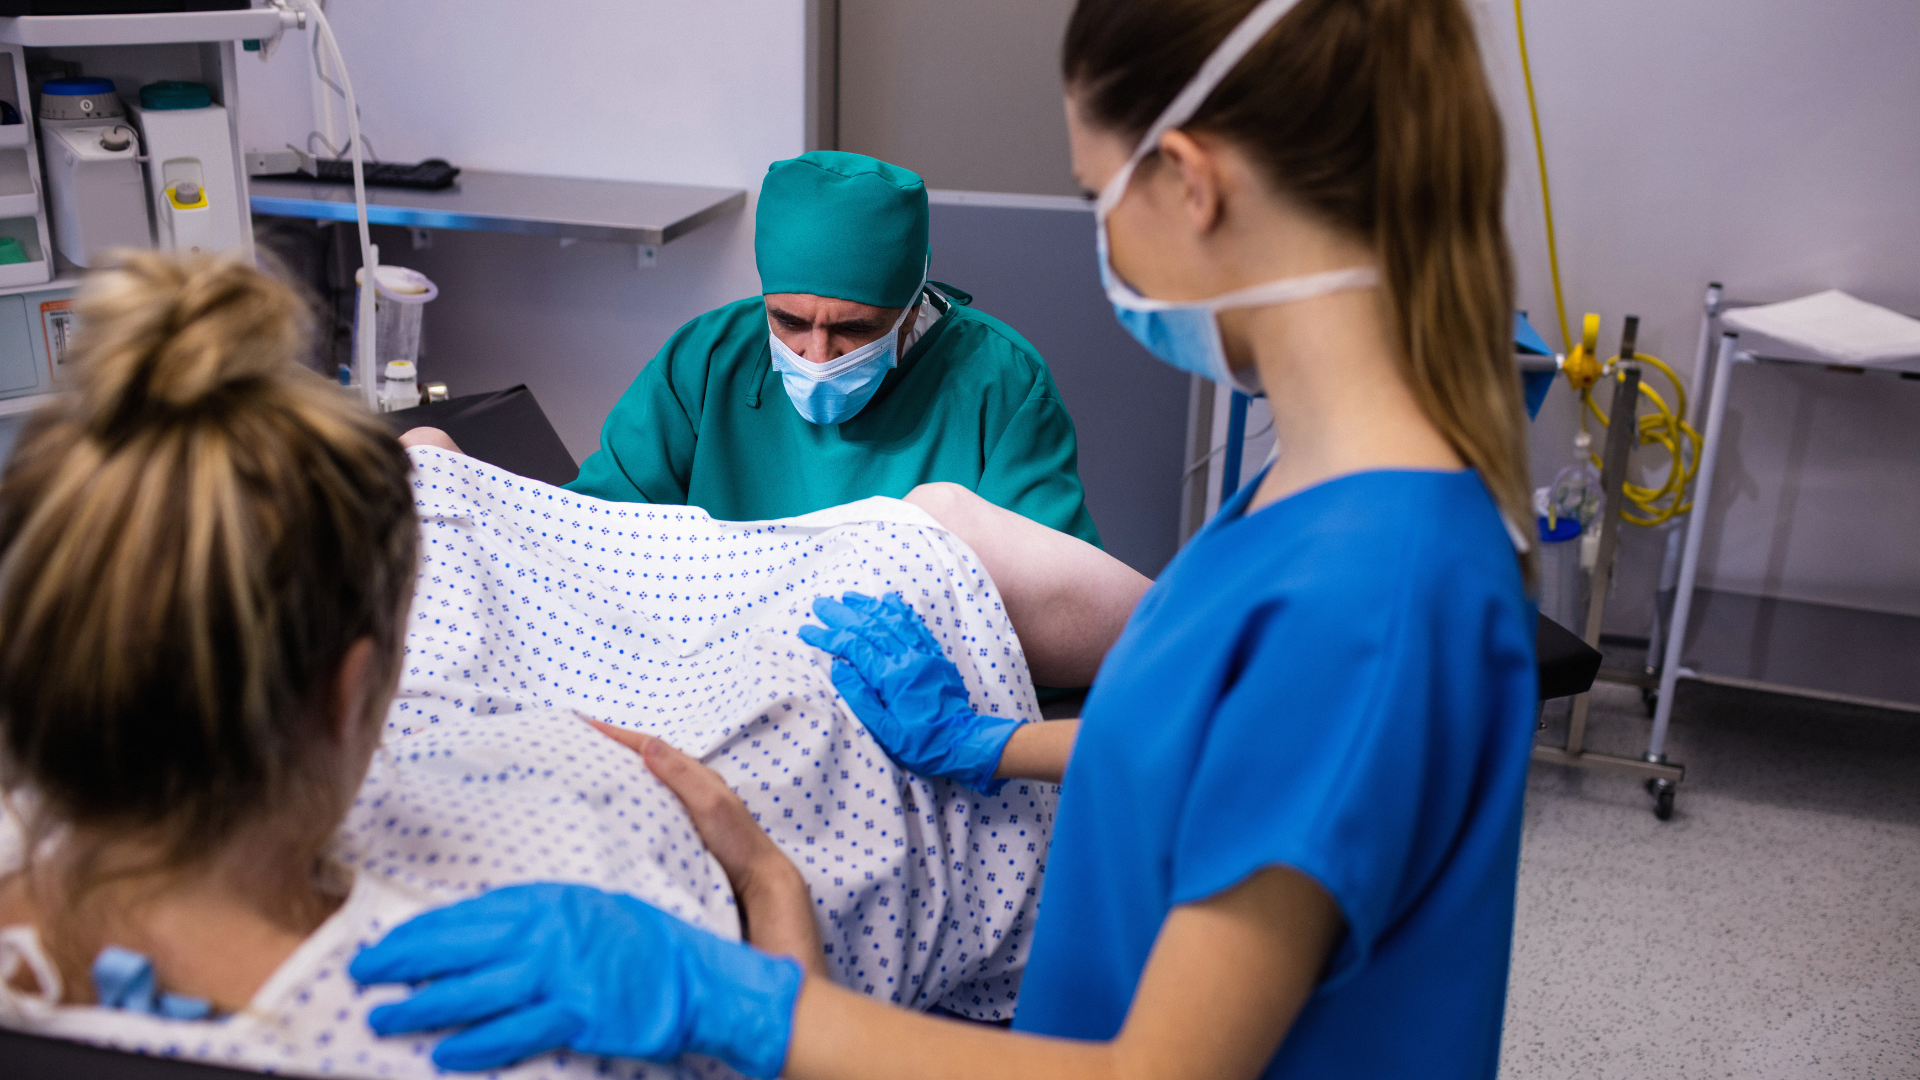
{"points": [[1185, 334], [834, 392]]}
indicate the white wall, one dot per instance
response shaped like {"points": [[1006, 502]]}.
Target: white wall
{"points": [[706, 93], [1773, 145]]}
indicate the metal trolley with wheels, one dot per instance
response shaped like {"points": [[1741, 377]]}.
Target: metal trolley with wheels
{"points": [[1832, 654], [1661, 776]]}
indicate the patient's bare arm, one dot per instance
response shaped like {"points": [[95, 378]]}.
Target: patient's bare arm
{"points": [[1067, 599]]}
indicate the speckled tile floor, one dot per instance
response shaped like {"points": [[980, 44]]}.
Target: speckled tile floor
{"points": [[1770, 929]]}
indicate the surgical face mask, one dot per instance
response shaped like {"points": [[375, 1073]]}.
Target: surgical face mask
{"points": [[1185, 334], [835, 391]]}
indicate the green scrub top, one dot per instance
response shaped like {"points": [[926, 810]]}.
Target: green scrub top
{"points": [[708, 424]]}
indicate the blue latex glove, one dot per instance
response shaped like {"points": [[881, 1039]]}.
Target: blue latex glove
{"points": [[544, 967], [904, 689]]}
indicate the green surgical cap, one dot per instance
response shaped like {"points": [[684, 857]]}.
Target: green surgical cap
{"points": [[842, 225]]}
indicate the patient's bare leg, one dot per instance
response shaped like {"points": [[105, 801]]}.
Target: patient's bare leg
{"points": [[429, 436], [1067, 599]]}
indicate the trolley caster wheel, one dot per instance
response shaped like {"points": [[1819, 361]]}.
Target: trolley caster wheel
{"points": [[1662, 792], [1650, 699]]}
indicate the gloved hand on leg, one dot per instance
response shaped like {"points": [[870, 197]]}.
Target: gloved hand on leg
{"points": [[901, 685], [544, 967]]}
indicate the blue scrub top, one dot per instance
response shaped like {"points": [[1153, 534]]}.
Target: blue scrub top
{"points": [[1341, 683]]}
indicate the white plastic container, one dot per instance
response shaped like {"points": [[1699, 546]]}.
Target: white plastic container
{"points": [[93, 183], [401, 390]]}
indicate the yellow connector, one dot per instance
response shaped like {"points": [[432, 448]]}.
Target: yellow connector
{"points": [[1583, 367]]}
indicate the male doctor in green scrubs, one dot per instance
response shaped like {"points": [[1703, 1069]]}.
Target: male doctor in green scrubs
{"points": [[848, 378]]}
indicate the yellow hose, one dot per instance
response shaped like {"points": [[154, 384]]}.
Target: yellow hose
{"points": [[1664, 427], [1546, 195]]}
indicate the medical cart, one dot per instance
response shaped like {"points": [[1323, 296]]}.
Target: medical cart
{"points": [[1826, 652], [1661, 775]]}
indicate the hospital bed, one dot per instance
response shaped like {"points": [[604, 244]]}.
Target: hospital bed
{"points": [[506, 428]]}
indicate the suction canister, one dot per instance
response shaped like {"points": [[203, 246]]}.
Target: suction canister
{"points": [[400, 297], [190, 170]]}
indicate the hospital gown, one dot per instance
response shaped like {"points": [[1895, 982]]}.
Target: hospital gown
{"points": [[536, 607]]}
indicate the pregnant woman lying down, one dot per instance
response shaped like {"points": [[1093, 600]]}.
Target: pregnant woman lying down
{"points": [[267, 692]]}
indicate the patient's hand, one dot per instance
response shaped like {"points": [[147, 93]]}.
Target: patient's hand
{"points": [[429, 436], [776, 911]]}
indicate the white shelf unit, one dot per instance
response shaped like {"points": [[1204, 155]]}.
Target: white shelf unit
{"points": [[1811, 650], [132, 50], [23, 213]]}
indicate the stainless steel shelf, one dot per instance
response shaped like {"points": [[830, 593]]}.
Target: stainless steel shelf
{"points": [[156, 29], [613, 210], [1793, 646]]}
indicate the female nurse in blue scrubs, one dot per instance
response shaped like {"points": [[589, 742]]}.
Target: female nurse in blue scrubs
{"points": [[1287, 840]]}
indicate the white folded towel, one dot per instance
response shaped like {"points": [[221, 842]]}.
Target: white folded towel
{"points": [[1833, 327]]}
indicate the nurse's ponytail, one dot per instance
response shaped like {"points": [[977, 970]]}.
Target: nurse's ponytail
{"points": [[1439, 235], [1377, 115]]}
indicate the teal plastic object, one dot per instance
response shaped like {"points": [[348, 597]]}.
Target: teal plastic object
{"points": [[174, 94], [11, 251], [842, 225]]}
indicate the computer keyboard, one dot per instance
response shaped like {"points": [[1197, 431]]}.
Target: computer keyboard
{"points": [[430, 175]]}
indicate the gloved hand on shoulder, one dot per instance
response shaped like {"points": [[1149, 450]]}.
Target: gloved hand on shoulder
{"points": [[544, 967], [901, 685]]}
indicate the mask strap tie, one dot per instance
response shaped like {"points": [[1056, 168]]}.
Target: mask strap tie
{"points": [[20, 947], [1219, 64]]}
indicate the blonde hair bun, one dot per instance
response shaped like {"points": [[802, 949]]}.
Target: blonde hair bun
{"points": [[190, 543], [162, 335]]}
